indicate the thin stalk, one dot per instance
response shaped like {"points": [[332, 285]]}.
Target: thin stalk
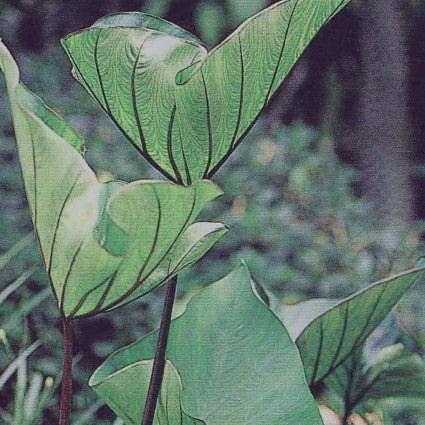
{"points": [[66, 391], [347, 412], [161, 348]]}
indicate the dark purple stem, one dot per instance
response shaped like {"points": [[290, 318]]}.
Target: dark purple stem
{"points": [[66, 390], [161, 348]]}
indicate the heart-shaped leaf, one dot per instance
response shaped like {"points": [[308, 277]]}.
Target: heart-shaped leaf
{"points": [[102, 244], [185, 109], [123, 392], [331, 338], [236, 361]]}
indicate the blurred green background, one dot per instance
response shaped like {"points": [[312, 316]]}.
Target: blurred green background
{"points": [[324, 196]]}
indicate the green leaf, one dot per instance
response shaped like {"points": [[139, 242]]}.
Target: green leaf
{"points": [[397, 373], [102, 244], [329, 340], [347, 381], [183, 108], [124, 390], [191, 246], [128, 62], [236, 361]]}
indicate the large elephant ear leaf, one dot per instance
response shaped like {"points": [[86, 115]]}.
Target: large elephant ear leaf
{"points": [[219, 100], [123, 391], [231, 351], [184, 109], [330, 339], [62, 190], [128, 62], [100, 242]]}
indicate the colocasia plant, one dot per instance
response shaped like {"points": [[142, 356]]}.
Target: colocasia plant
{"points": [[233, 357]]}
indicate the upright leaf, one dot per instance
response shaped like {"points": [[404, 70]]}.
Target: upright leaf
{"points": [[236, 361], [329, 340], [219, 100], [122, 392], [183, 108], [102, 244], [128, 62]]}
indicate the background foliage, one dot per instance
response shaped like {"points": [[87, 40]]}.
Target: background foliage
{"points": [[324, 196]]}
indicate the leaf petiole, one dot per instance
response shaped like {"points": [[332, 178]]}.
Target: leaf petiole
{"points": [[66, 389], [161, 348]]}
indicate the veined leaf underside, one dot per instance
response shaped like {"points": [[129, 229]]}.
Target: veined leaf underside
{"points": [[330, 339]]}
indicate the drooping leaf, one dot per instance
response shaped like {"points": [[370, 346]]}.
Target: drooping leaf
{"points": [[123, 392], [329, 340], [186, 109], [236, 361], [100, 242]]}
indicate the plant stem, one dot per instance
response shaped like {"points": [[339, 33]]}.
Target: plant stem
{"points": [[347, 413], [66, 390], [345, 419], [161, 348]]}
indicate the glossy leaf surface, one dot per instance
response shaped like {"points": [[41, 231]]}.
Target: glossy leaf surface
{"points": [[329, 340], [236, 361], [102, 244], [123, 391], [186, 109]]}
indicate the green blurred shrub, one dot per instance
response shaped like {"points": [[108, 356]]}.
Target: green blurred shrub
{"points": [[299, 225]]}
